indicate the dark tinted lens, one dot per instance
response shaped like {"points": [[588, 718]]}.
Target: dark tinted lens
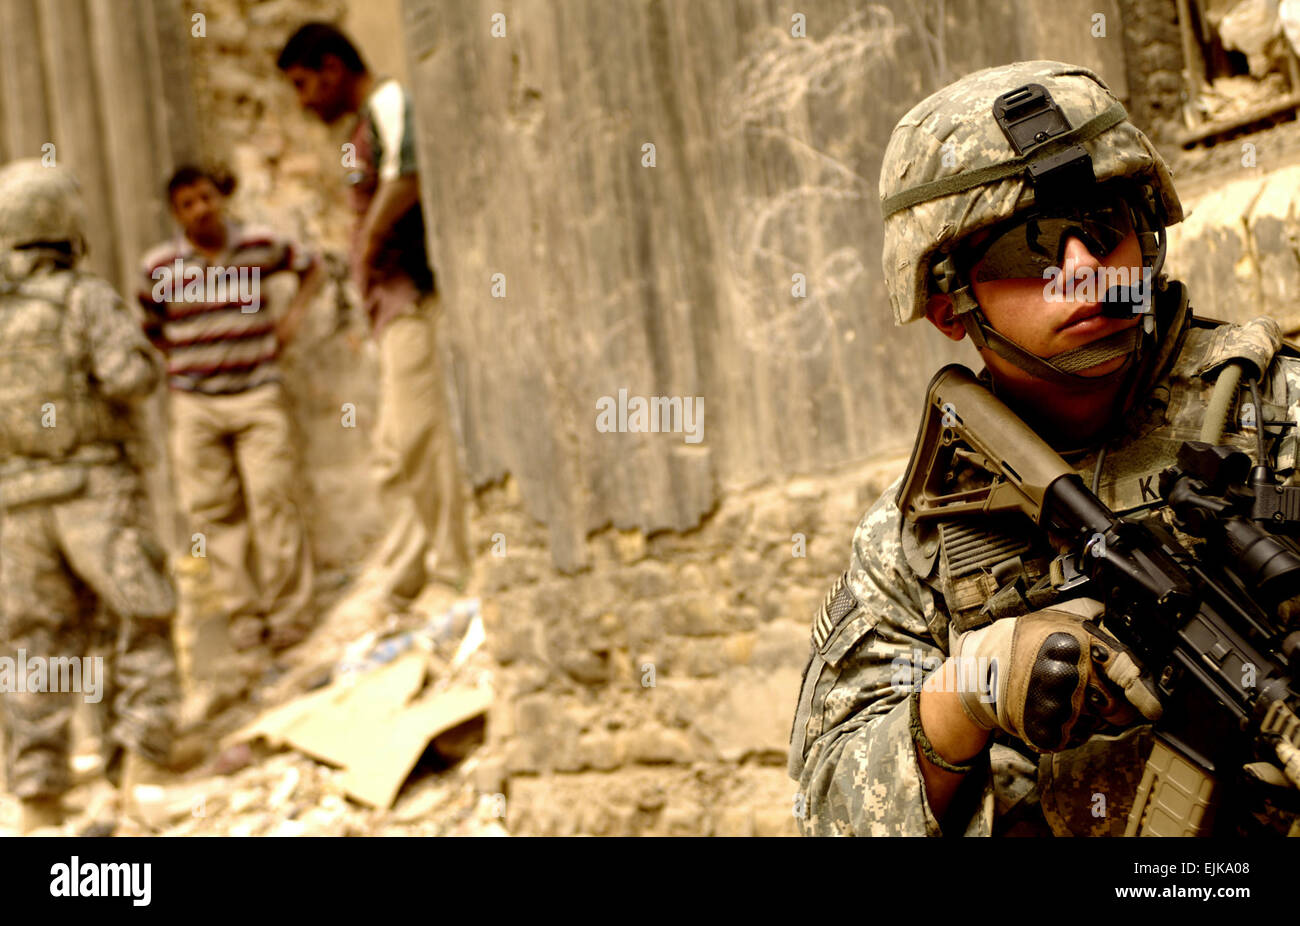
{"points": [[1023, 251], [1108, 226], [1027, 249]]}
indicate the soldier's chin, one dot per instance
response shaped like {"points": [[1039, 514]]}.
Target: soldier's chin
{"points": [[1102, 369]]}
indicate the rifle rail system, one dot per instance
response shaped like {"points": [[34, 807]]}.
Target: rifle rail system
{"points": [[1211, 618]]}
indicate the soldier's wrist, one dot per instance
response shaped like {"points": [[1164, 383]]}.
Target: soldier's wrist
{"points": [[959, 754], [978, 711], [973, 671]]}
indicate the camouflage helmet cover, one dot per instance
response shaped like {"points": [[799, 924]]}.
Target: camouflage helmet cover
{"points": [[40, 204], [953, 132]]}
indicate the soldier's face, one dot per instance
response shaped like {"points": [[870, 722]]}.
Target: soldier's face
{"points": [[197, 208], [1047, 323], [1044, 323]]}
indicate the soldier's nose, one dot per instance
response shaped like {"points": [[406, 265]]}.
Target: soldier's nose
{"points": [[1078, 259], [1077, 252]]}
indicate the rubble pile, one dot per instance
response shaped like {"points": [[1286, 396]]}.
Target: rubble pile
{"points": [[376, 735]]}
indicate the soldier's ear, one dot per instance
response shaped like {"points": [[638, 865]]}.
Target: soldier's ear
{"points": [[938, 309]]}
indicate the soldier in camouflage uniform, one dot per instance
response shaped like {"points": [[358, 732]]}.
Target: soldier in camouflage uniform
{"points": [[967, 227], [70, 355]]}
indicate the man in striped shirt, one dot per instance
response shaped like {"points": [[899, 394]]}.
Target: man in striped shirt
{"points": [[416, 463], [232, 450]]}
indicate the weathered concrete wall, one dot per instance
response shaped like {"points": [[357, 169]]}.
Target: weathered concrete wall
{"points": [[99, 81], [676, 278]]}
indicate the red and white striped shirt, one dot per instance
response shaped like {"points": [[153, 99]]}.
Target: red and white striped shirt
{"points": [[216, 338]]}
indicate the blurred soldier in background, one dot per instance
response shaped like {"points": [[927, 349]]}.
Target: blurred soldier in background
{"points": [[415, 455], [70, 355], [232, 445]]}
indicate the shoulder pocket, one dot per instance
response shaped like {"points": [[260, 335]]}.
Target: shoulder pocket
{"points": [[840, 623], [849, 633]]}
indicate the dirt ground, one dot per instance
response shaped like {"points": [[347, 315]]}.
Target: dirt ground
{"points": [[250, 789]]}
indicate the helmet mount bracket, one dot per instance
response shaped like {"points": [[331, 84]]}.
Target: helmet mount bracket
{"points": [[1030, 118]]}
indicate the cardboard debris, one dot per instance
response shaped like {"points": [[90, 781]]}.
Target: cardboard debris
{"points": [[322, 724], [378, 767], [367, 724]]}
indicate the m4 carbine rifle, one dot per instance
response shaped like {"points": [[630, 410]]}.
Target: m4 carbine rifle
{"points": [[1207, 617]]}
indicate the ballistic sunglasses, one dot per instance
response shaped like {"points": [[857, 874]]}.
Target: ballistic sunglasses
{"points": [[1033, 242]]}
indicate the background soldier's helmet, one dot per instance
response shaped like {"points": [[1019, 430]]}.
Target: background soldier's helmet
{"points": [[40, 206], [949, 170]]}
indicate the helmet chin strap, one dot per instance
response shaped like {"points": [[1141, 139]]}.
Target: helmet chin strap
{"points": [[1063, 369]]}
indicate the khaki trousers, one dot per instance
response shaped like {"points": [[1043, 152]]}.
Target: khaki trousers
{"points": [[235, 470], [415, 462]]}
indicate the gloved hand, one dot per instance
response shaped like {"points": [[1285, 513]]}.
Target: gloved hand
{"points": [[1051, 678]]}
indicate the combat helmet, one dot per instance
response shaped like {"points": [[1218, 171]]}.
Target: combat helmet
{"points": [[954, 166], [40, 208]]}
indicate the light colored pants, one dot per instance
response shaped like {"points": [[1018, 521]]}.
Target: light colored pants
{"points": [[415, 462], [235, 470]]}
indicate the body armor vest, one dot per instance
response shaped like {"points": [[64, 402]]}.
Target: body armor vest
{"points": [[989, 568], [48, 407], [984, 569]]}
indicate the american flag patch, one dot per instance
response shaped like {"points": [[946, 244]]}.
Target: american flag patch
{"points": [[839, 602]]}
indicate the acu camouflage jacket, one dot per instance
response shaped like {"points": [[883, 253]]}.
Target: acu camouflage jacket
{"points": [[883, 628]]}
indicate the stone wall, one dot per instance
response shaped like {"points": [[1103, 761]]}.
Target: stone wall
{"points": [[1152, 48], [653, 692], [1238, 250]]}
